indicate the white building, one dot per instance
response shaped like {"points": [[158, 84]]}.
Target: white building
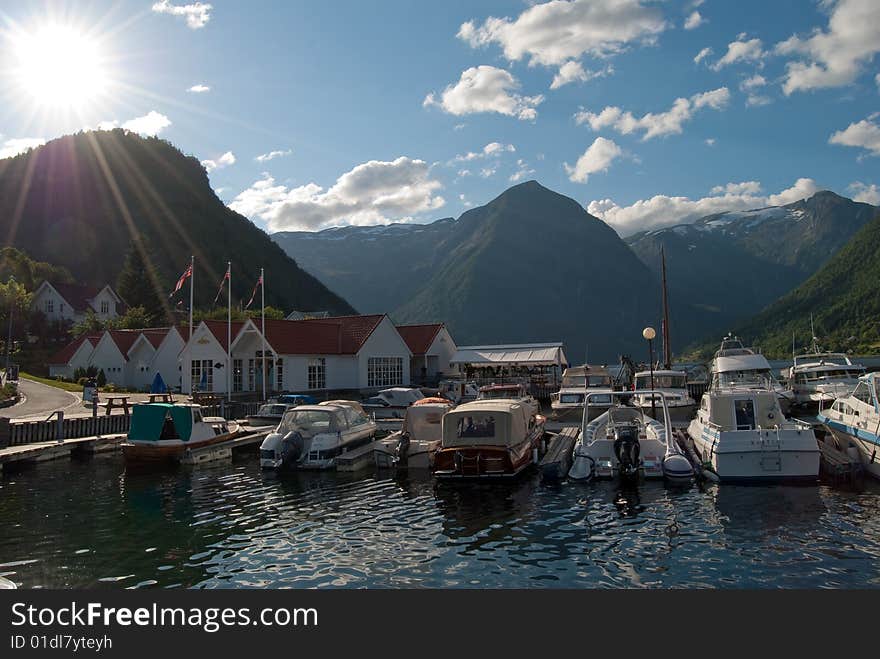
{"points": [[432, 350], [72, 302]]}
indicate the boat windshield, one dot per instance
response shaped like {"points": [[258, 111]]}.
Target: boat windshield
{"points": [[665, 381], [310, 422]]}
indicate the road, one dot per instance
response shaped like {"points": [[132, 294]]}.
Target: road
{"points": [[41, 400]]}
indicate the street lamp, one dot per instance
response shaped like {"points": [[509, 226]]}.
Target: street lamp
{"points": [[649, 335]]}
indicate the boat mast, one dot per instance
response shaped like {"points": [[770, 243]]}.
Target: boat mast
{"points": [[667, 348]]}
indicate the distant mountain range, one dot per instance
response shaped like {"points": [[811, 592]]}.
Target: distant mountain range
{"points": [[81, 201]]}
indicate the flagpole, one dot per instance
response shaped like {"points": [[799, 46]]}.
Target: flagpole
{"points": [[263, 329], [229, 333], [192, 277]]}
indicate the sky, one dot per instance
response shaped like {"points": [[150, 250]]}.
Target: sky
{"points": [[314, 114]]}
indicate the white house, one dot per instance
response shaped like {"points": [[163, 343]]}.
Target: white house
{"points": [[432, 350], [71, 302]]}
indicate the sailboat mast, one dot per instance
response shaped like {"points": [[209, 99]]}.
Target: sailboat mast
{"points": [[667, 348]]}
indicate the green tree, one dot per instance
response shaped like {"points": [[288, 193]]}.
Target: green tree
{"points": [[137, 284]]}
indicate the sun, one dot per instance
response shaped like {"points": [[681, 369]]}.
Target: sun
{"points": [[59, 67]]}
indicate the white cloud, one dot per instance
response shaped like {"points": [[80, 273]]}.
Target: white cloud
{"points": [[225, 160], [835, 56], [694, 21], [199, 89], [741, 51], [375, 192], [703, 54], [597, 158], [486, 89], [655, 125], [16, 145], [663, 211], [869, 194], [554, 32], [197, 14], [266, 157], [522, 171], [491, 149], [573, 71], [151, 123], [864, 134]]}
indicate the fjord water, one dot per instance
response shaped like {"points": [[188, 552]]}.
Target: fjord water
{"points": [[96, 524]]}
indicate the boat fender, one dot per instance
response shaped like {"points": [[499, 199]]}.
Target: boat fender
{"points": [[291, 448], [402, 450]]}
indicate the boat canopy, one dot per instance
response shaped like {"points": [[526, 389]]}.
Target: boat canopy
{"points": [[151, 422], [537, 354], [484, 423]]}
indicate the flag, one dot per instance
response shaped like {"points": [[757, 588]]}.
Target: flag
{"points": [[222, 282], [254, 294], [180, 282]]}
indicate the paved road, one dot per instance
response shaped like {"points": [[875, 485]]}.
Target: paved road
{"points": [[41, 400]]}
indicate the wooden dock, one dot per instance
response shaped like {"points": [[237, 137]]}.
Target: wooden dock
{"points": [[557, 460], [25, 454]]}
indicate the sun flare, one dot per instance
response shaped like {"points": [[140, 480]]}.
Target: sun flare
{"points": [[60, 67]]}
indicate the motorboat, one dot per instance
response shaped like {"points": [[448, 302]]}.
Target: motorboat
{"points": [[518, 392], [627, 443], [488, 439], [269, 414], [854, 422], [820, 378], [166, 431], [673, 385], [568, 403], [734, 364], [312, 436], [392, 403], [741, 433], [413, 446]]}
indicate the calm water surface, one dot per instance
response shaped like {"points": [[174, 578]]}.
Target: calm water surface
{"points": [[94, 524]]}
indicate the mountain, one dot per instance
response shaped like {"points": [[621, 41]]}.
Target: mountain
{"points": [[531, 265], [81, 201], [725, 267], [841, 296]]}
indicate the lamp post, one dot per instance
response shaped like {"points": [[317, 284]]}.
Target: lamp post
{"points": [[649, 335]]}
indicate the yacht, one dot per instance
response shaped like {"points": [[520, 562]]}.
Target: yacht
{"points": [[854, 422], [673, 385], [625, 442], [819, 378], [734, 363], [568, 403], [740, 433]]}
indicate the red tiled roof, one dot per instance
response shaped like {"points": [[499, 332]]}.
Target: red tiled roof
{"points": [[218, 329], [354, 330], [66, 353], [419, 337]]}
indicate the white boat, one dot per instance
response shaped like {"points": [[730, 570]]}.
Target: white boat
{"points": [[854, 422], [673, 385], [820, 378], [734, 364], [413, 446], [568, 403], [392, 403], [312, 436], [517, 392], [624, 442], [740, 433]]}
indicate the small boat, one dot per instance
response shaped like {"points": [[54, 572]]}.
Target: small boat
{"points": [[517, 392], [568, 403], [488, 439], [413, 446], [392, 403], [819, 378], [854, 423], [312, 436], [734, 363], [673, 385], [166, 431], [269, 414], [625, 442]]}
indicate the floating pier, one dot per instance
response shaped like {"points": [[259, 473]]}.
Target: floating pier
{"points": [[557, 460]]}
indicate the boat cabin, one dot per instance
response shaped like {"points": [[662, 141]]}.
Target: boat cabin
{"points": [[485, 423], [745, 409]]}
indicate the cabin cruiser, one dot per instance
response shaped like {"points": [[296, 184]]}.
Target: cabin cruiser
{"points": [[819, 378], [517, 392], [625, 442], [269, 414], [166, 431], [488, 439], [312, 436], [740, 433], [413, 446], [392, 403], [568, 402], [734, 364], [673, 386], [854, 422]]}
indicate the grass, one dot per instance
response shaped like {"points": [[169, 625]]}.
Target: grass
{"points": [[67, 386]]}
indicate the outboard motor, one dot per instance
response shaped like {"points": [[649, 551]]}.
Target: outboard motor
{"points": [[627, 450], [401, 452]]}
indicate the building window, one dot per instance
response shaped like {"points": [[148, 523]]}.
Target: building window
{"points": [[50, 306], [384, 371], [317, 373], [105, 307], [237, 379], [199, 367], [279, 369], [251, 374]]}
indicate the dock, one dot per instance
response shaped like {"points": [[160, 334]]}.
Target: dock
{"points": [[557, 460]]}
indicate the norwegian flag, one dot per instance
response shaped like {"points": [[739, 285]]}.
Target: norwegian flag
{"points": [[254, 294], [180, 282], [222, 283]]}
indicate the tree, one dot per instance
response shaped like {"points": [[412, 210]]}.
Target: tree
{"points": [[137, 283]]}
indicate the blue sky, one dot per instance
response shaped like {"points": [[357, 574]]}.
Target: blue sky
{"points": [[412, 111]]}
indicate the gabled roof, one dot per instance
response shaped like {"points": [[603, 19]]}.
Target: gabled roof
{"points": [[354, 330], [419, 337], [66, 353]]}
